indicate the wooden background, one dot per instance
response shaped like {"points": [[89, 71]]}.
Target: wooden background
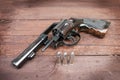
{"points": [[21, 22]]}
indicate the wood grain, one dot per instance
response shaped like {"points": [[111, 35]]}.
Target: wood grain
{"points": [[18, 34], [9, 50], [64, 12], [21, 22], [44, 67], [39, 9], [27, 39], [35, 27]]}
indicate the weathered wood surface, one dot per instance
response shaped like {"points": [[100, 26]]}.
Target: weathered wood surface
{"points": [[21, 22], [40, 9], [44, 68], [18, 34]]}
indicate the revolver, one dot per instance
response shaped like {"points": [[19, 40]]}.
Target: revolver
{"points": [[66, 32]]}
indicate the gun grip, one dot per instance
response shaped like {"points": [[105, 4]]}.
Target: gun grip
{"points": [[95, 27]]}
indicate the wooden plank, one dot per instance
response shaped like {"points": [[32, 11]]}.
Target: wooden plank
{"points": [[78, 49], [14, 41], [86, 39], [24, 32], [9, 8], [21, 21], [38, 3], [66, 12], [44, 68], [59, 9], [35, 27]]}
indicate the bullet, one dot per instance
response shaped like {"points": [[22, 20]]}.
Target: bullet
{"points": [[59, 57], [65, 58], [71, 58]]}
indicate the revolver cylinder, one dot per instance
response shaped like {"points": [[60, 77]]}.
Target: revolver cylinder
{"points": [[63, 28]]}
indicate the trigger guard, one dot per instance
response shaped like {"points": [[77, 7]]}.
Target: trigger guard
{"points": [[57, 44], [72, 37]]}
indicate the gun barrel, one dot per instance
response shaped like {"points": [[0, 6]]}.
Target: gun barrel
{"points": [[30, 51]]}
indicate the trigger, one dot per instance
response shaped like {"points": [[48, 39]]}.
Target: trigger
{"points": [[57, 44], [71, 38]]}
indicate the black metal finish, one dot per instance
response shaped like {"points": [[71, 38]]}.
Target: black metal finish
{"points": [[30, 51], [63, 33]]}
